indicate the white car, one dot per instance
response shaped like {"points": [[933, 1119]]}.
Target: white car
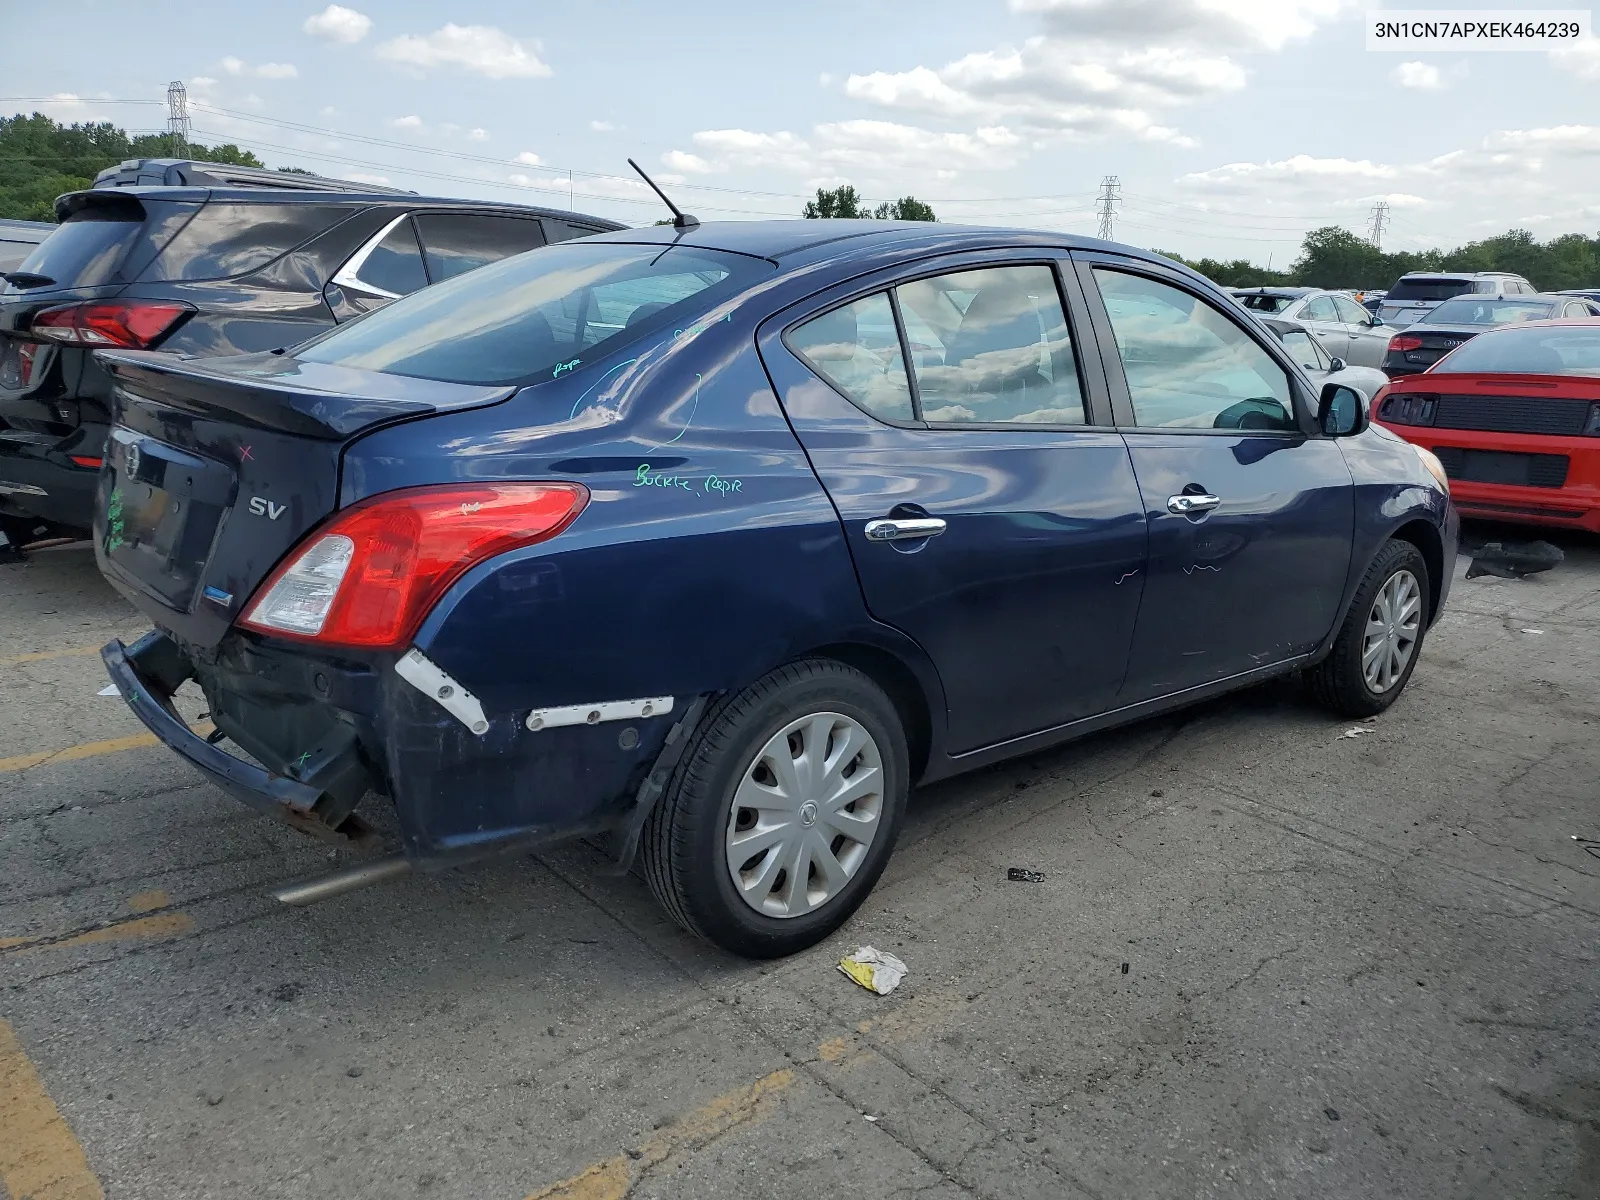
{"points": [[1417, 293], [1320, 366]]}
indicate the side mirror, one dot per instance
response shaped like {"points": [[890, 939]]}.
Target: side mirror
{"points": [[1374, 319], [1343, 411], [1337, 364]]}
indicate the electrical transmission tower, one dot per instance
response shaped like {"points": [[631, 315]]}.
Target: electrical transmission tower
{"points": [[1110, 193], [1379, 218], [178, 118]]}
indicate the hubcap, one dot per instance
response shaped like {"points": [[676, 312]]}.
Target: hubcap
{"points": [[1392, 629], [804, 815]]}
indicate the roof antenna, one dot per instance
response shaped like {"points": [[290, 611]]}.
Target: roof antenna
{"points": [[680, 220]]}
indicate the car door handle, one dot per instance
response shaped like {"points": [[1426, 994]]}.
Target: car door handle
{"points": [[1182, 506], [887, 529]]}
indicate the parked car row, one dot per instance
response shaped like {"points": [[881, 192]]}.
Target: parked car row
{"points": [[204, 260]]}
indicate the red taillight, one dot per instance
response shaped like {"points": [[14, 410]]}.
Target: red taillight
{"points": [[370, 575], [1405, 341], [129, 324]]}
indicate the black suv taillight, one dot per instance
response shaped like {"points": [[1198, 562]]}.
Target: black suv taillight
{"points": [[127, 324], [1405, 408]]}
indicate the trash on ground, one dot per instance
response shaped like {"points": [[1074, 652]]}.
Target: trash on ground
{"points": [[110, 689], [1533, 631], [1021, 875], [869, 1117], [1354, 732], [1514, 560], [874, 970]]}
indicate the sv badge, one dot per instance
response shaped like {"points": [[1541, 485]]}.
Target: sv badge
{"points": [[262, 507]]}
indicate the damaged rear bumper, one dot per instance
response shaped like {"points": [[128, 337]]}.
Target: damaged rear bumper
{"points": [[148, 673]]}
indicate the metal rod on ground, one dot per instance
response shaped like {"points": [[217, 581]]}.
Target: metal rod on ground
{"points": [[362, 875]]}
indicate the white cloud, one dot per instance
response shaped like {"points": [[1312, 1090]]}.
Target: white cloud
{"points": [[239, 68], [529, 159], [202, 82], [407, 122], [1420, 75], [1581, 58], [1232, 24], [478, 134], [691, 164], [338, 24], [480, 48], [601, 127]]}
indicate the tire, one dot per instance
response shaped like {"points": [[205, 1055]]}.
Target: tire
{"points": [[691, 837], [1341, 681]]}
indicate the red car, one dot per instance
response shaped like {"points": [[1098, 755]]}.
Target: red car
{"points": [[1514, 416]]}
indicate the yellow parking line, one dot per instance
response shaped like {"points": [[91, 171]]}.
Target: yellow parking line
{"points": [[43, 655], [39, 1156], [160, 925], [614, 1178], [22, 762]]}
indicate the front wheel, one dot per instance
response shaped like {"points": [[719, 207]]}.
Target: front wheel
{"points": [[783, 813], [1381, 638]]}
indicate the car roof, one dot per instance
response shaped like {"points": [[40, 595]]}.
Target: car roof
{"points": [[1461, 275], [780, 240], [408, 200], [25, 229]]}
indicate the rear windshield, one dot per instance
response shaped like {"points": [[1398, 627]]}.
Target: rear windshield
{"points": [[1266, 304], [1543, 350], [1488, 312], [86, 249], [1429, 289], [521, 318]]}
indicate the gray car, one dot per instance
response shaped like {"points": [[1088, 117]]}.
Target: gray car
{"points": [[1345, 329], [1320, 366]]}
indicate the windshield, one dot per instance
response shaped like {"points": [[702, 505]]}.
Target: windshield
{"points": [[1266, 304], [1488, 312], [538, 314], [1543, 350], [1428, 289]]}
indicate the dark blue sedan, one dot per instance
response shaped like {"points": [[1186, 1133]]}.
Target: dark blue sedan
{"points": [[714, 541]]}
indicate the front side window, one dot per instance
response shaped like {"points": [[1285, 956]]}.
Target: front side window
{"points": [[1187, 365], [857, 349], [517, 320], [455, 243], [1320, 309], [991, 347], [1303, 348], [1349, 311]]}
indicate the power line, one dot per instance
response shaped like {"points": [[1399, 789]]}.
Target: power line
{"points": [[1110, 193]]}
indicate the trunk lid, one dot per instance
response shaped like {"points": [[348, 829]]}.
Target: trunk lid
{"points": [[216, 468]]}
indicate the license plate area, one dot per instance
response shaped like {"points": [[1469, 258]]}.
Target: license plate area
{"points": [[162, 514]]}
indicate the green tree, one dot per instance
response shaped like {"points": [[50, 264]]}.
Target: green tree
{"points": [[907, 208], [838, 204], [41, 158]]}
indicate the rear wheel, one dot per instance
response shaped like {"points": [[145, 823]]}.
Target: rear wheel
{"points": [[1381, 638], [783, 813]]}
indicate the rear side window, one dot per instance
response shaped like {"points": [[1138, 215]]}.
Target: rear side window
{"points": [[857, 349], [1542, 350], [455, 243], [395, 264], [519, 319], [86, 249], [1431, 289], [1320, 309], [225, 240]]}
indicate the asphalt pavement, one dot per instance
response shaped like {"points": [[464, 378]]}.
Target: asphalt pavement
{"points": [[1270, 956]]}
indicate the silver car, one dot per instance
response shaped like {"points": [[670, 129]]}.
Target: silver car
{"points": [[1320, 366], [1417, 293], [1345, 329]]}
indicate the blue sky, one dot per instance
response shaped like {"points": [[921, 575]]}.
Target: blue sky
{"points": [[1233, 125]]}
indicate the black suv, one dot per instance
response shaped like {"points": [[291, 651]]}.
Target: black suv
{"points": [[220, 264]]}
